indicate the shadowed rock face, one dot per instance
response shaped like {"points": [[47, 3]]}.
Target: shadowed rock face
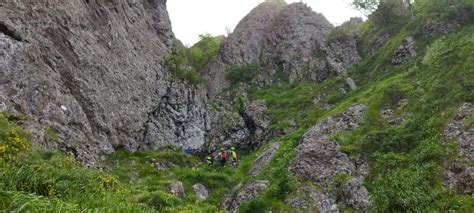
{"points": [[93, 72]]}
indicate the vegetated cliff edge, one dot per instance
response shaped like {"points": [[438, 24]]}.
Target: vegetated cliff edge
{"points": [[89, 76]]}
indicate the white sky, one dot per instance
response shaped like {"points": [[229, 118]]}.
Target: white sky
{"points": [[190, 18]]}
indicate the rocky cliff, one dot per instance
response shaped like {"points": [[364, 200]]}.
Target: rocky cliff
{"points": [[289, 40], [89, 76]]}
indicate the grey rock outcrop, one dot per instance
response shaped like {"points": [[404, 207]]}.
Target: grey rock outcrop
{"points": [[433, 28], [237, 121], [246, 193], [181, 119], [320, 160], [278, 37], [404, 52], [93, 71], [176, 188], [310, 199], [297, 35], [262, 160], [201, 191], [243, 46], [459, 174]]}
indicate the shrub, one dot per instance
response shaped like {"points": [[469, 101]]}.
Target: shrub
{"points": [[180, 67], [242, 73], [13, 139], [50, 135], [202, 51]]}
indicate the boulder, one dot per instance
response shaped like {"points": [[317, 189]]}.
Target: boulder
{"points": [[201, 191], [244, 194], [176, 188]]}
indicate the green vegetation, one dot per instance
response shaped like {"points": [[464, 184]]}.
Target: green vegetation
{"points": [[185, 63], [38, 181], [407, 152], [242, 73], [202, 51], [50, 135], [299, 105], [13, 140], [407, 159]]}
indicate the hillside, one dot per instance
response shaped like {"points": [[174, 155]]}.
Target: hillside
{"points": [[99, 101]]}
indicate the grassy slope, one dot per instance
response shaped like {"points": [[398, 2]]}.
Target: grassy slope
{"points": [[406, 160]]}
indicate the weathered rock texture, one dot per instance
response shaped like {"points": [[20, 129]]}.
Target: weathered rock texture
{"points": [[177, 189], [92, 71], [246, 193], [201, 191], [237, 121], [320, 160], [460, 173], [404, 52], [289, 39], [262, 160]]}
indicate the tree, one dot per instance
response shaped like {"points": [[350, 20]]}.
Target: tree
{"points": [[369, 6]]}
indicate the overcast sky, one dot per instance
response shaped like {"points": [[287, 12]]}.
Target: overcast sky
{"points": [[190, 18]]}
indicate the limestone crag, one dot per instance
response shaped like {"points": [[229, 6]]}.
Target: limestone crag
{"points": [[297, 37], [181, 119], [320, 160], [92, 72], [278, 37]]}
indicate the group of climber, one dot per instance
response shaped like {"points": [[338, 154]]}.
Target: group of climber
{"points": [[223, 156]]}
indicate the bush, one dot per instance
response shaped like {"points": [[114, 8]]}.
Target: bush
{"points": [[13, 139], [242, 73], [180, 67], [201, 52]]}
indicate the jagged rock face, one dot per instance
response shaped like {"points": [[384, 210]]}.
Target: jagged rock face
{"points": [[320, 160], [181, 119], [243, 46], [92, 71], [404, 52], [343, 49], [277, 37], [257, 121], [237, 121], [298, 36], [459, 175]]}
